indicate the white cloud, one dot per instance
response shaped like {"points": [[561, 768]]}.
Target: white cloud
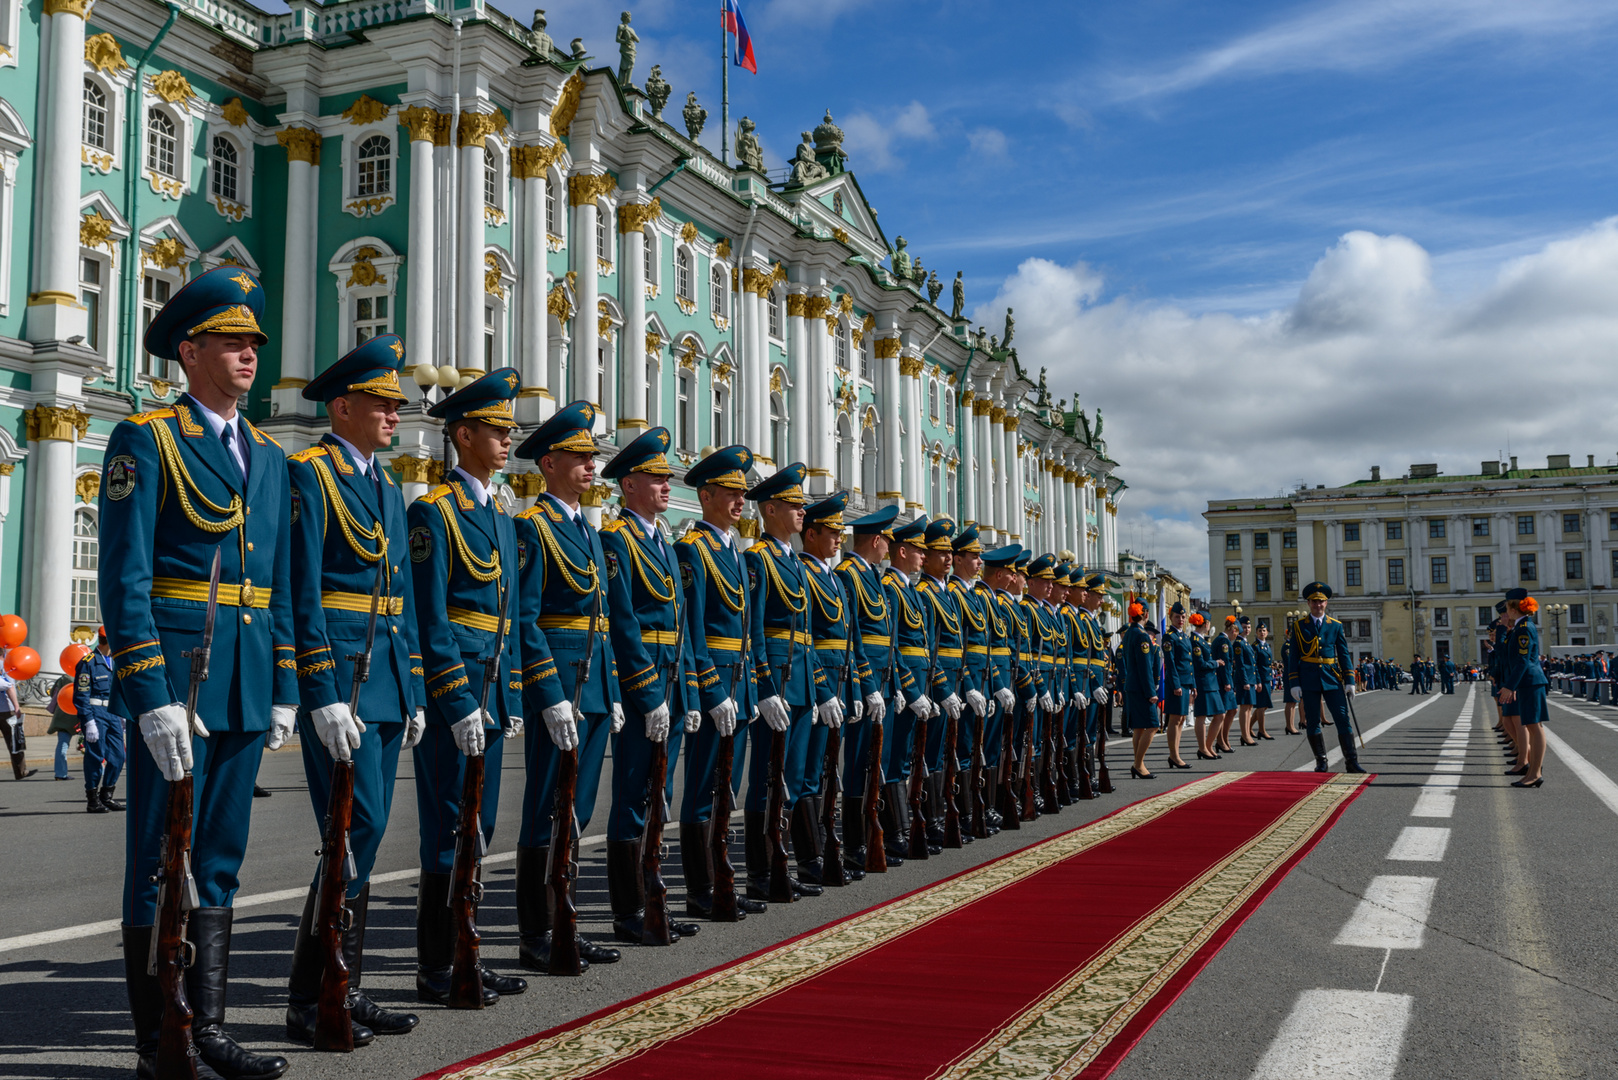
{"points": [[987, 142], [871, 141], [1369, 364]]}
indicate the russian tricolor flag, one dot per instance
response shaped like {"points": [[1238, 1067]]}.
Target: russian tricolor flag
{"points": [[732, 20]]}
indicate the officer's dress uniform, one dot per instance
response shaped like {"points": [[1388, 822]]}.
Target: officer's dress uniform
{"points": [[105, 754], [872, 612], [1179, 672], [564, 587], [912, 641], [950, 680], [975, 602], [463, 559], [1224, 658], [1520, 670], [1046, 640], [652, 649], [174, 493], [718, 620], [348, 522], [1447, 669], [1319, 662]]}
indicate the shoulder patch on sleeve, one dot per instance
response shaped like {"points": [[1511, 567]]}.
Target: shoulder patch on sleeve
{"points": [[297, 505], [688, 576], [612, 564], [120, 477], [421, 544]]}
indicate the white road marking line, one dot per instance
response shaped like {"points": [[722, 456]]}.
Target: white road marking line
{"points": [[1600, 785], [1338, 1035], [1434, 802], [1420, 844], [1335, 755], [1392, 915]]}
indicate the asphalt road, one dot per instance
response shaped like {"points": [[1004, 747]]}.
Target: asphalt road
{"points": [[1510, 973]]}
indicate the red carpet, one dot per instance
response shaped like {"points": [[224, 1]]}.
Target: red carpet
{"points": [[1051, 961]]}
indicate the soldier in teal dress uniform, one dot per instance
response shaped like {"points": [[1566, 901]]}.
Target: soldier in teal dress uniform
{"points": [[953, 690], [1180, 680], [1316, 675], [463, 559], [1005, 667], [104, 746], [565, 598], [1046, 639], [348, 524], [838, 645], [179, 484], [1090, 652], [984, 630], [861, 575], [794, 693], [657, 682], [714, 578], [907, 552]]}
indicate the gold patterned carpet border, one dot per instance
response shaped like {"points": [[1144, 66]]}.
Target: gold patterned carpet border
{"points": [[685, 1007]]}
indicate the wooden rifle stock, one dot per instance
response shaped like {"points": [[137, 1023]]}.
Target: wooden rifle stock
{"points": [[917, 793], [1048, 774], [333, 1030], [1104, 784], [978, 778], [725, 908], [776, 807], [654, 928], [876, 855], [170, 956], [466, 890], [1030, 811], [952, 781], [561, 868], [1010, 806]]}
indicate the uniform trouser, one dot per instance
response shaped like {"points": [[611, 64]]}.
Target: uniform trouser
{"points": [[104, 758], [440, 776], [376, 766], [701, 764], [761, 738], [632, 773], [224, 767], [1337, 702], [814, 759], [993, 733], [902, 733], [1075, 721], [939, 725], [543, 761]]}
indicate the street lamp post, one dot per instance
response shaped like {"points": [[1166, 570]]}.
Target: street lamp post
{"points": [[1556, 612]]}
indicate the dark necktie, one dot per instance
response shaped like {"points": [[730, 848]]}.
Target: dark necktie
{"points": [[227, 435]]}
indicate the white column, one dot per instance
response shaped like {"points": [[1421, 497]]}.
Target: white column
{"points": [[821, 432], [799, 327], [632, 418], [421, 319], [893, 399], [534, 359], [988, 456], [469, 293], [916, 461], [1015, 512], [51, 457], [754, 398], [54, 311], [967, 480], [582, 244], [297, 344]]}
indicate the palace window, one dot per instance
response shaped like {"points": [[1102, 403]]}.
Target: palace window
{"points": [[1575, 614], [1261, 579], [160, 144], [1482, 569], [1396, 572], [773, 302], [1289, 575], [1351, 532], [225, 175], [865, 361], [684, 436], [155, 292], [1435, 529], [1233, 579], [1441, 617], [682, 274], [1440, 567], [951, 495], [1528, 566], [778, 429], [491, 177], [719, 285], [1396, 530], [648, 257], [491, 338], [604, 235], [1363, 627], [1351, 573], [95, 116], [1525, 524], [1261, 541], [1480, 526], [949, 407], [550, 210], [653, 374], [932, 400], [86, 564], [91, 272], [1289, 539], [1233, 541], [371, 318], [720, 435], [1485, 616], [375, 167], [1574, 563], [869, 481], [842, 348], [938, 485], [1572, 523]]}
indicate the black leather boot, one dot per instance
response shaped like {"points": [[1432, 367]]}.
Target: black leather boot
{"points": [[303, 987], [935, 813], [146, 1005], [1317, 743], [206, 982], [435, 942], [695, 866], [92, 799], [806, 842], [366, 1012], [854, 837], [533, 910], [109, 802], [756, 845], [1345, 739], [895, 815], [624, 890], [588, 950]]}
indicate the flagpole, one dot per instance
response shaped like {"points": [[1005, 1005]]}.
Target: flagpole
{"points": [[724, 83]]}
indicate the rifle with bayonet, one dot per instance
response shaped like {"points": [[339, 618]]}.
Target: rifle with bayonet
{"points": [[466, 885], [831, 786], [977, 776], [1029, 798], [724, 873], [1050, 779], [333, 1029], [654, 927], [170, 952], [776, 807], [561, 868], [876, 852], [1010, 807], [1086, 750], [918, 752]]}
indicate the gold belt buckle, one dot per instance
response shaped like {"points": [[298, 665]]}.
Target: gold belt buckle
{"points": [[247, 592]]}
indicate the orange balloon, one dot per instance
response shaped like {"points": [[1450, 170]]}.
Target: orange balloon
{"points": [[64, 700], [13, 631], [71, 656], [22, 662]]}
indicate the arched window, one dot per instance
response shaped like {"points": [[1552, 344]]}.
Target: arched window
{"points": [[778, 429], [603, 235], [375, 167], [719, 434], [951, 498], [720, 286], [682, 274], [550, 210], [774, 303], [86, 565], [684, 421], [845, 453], [652, 376], [648, 256], [932, 399], [371, 318], [868, 463], [95, 116], [224, 168], [949, 406], [491, 178], [160, 144], [842, 348], [938, 485]]}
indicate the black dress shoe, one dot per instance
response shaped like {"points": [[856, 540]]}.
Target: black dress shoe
{"points": [[746, 905], [380, 1020], [301, 1026], [598, 954], [1523, 771], [260, 793], [1179, 764], [804, 888], [854, 869], [1207, 757], [1354, 768], [812, 873], [683, 929], [504, 985], [534, 955], [896, 853], [1138, 775]]}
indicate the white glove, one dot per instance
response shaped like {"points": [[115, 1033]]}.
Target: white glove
{"points": [[1080, 699], [922, 708], [859, 711], [1297, 693], [1033, 706], [337, 729], [693, 721], [1061, 702], [282, 721], [724, 717], [468, 733], [1101, 695], [657, 723], [1006, 699], [979, 703], [898, 701], [953, 706], [830, 713], [1047, 702], [415, 728], [515, 729], [617, 718], [164, 730], [875, 707], [92, 731], [562, 724], [774, 711]]}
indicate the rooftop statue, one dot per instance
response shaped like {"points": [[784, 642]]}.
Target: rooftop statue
{"points": [[1011, 327], [901, 260], [627, 40], [935, 288], [960, 298], [578, 49], [805, 169], [748, 149], [658, 90], [538, 39], [695, 116]]}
